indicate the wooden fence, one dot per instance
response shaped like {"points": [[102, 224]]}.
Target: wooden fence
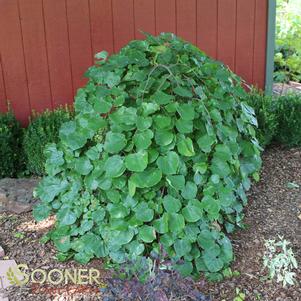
{"points": [[46, 45]]}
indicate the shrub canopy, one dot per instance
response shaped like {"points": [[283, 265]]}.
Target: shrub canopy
{"points": [[11, 154], [43, 129], [158, 157]]}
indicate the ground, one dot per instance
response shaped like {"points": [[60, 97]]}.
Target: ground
{"points": [[274, 209]]}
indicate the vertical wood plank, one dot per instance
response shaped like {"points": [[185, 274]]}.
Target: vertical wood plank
{"points": [[101, 25], [79, 40], [58, 51], [207, 26], [226, 32], [123, 20], [3, 99], [260, 43], [186, 20], [245, 39], [144, 14], [31, 14], [166, 16], [12, 56]]}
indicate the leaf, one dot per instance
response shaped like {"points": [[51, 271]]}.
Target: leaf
{"points": [[186, 111], [185, 269], [144, 213], [101, 55], [136, 162], [161, 224], [200, 167], [114, 166], [292, 185], [147, 233], [149, 108], [135, 248], [182, 247], [53, 155], [182, 92], [41, 211], [171, 204], [102, 106], [71, 137], [122, 237], [205, 142], [124, 116], [164, 138], [162, 98], [117, 210], [114, 142], [63, 244], [66, 216], [83, 166], [94, 152], [184, 126], [169, 164], [147, 178], [177, 181], [212, 207], [212, 262], [220, 167], [176, 222], [192, 213], [206, 240], [162, 122], [226, 250], [189, 191], [185, 147], [143, 123], [143, 139], [50, 187]]}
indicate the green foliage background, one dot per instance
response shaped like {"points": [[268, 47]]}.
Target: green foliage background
{"points": [[159, 156], [11, 154], [266, 111], [279, 118], [43, 129], [289, 120], [288, 41]]}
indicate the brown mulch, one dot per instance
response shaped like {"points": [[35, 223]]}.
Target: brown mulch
{"points": [[273, 210]]}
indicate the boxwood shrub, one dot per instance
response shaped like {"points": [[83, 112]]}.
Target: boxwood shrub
{"points": [[266, 111], [289, 120], [43, 129], [11, 155], [158, 157]]}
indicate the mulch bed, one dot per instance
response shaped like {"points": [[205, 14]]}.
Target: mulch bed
{"points": [[282, 88], [273, 210]]}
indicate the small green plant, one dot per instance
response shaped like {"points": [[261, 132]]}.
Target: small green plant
{"points": [[11, 155], [280, 261], [292, 185], [228, 273], [159, 156], [240, 296], [279, 118], [266, 113], [19, 235], [43, 129]]}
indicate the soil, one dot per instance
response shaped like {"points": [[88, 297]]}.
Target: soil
{"points": [[274, 209]]}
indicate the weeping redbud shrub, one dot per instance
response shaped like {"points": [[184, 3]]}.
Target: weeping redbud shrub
{"points": [[159, 157]]}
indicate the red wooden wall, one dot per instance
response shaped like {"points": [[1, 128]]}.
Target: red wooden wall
{"points": [[46, 45]]}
